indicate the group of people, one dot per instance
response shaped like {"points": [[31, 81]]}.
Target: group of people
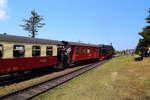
{"points": [[64, 54]]}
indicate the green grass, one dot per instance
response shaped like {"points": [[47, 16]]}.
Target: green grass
{"points": [[120, 79]]}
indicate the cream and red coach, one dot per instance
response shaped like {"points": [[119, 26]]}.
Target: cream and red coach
{"points": [[22, 53]]}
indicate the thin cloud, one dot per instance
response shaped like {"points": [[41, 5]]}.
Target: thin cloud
{"points": [[3, 14], [3, 7], [3, 4]]}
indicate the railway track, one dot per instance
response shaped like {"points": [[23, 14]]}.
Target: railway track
{"points": [[26, 75], [36, 89]]}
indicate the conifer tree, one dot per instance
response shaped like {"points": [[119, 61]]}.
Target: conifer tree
{"points": [[144, 43], [33, 23]]}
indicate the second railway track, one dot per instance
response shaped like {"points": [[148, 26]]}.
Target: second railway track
{"points": [[36, 89]]}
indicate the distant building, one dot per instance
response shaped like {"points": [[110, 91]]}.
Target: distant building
{"points": [[130, 52]]}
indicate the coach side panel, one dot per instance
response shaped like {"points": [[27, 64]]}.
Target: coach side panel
{"points": [[84, 53], [9, 63]]}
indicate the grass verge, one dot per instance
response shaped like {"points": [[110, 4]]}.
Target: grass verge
{"points": [[120, 79]]}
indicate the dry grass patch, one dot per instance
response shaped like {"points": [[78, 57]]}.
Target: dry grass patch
{"points": [[120, 79]]}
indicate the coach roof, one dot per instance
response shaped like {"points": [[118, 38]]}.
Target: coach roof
{"points": [[81, 44], [21, 39]]}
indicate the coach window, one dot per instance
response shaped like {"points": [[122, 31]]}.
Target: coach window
{"points": [[18, 51], [1, 51], [83, 50], [36, 51], [88, 51], [77, 51], [49, 51], [92, 49]]}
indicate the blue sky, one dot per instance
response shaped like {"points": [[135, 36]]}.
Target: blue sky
{"points": [[90, 21]]}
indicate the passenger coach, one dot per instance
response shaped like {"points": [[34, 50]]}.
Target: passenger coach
{"points": [[78, 52], [19, 53]]}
